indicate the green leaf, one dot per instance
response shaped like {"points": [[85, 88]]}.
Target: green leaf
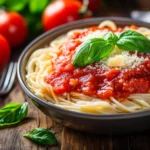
{"points": [[16, 5], [97, 48], [111, 37], [91, 51], [13, 113], [37, 6], [2, 2], [41, 136], [132, 40]]}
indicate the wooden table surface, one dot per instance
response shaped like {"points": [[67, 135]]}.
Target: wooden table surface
{"points": [[11, 138]]}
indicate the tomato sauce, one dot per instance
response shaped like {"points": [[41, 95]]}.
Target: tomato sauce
{"points": [[93, 80]]}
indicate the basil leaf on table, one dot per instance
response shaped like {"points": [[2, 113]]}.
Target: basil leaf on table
{"points": [[91, 51], [132, 40], [13, 113], [41, 136]]}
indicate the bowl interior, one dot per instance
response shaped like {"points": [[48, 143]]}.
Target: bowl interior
{"points": [[46, 38]]}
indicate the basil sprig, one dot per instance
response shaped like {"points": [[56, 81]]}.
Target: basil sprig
{"points": [[13, 113], [95, 49], [131, 41], [41, 136], [92, 50], [111, 38]]}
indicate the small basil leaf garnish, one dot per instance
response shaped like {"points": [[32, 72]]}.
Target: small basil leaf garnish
{"points": [[91, 51], [132, 40], [13, 113], [41, 136], [111, 37]]}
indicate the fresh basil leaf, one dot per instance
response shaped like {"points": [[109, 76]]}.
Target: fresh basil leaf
{"points": [[41, 136], [97, 48], [37, 6], [91, 51], [16, 5], [13, 113], [8, 108], [132, 40], [111, 37]]}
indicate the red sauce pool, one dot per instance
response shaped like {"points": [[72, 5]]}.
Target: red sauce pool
{"points": [[94, 81]]}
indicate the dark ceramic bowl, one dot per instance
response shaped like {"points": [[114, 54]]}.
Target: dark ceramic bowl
{"points": [[99, 124]]}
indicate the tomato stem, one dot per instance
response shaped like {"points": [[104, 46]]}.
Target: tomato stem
{"points": [[84, 8]]}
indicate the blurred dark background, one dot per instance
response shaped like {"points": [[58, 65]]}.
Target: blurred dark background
{"points": [[121, 7]]}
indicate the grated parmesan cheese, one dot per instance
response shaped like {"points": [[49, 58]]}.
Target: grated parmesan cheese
{"points": [[116, 61], [95, 34], [123, 60]]}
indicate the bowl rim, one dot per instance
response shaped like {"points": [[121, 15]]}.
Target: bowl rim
{"points": [[69, 112]]}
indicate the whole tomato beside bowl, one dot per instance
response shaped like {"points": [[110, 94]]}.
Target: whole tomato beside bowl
{"points": [[60, 12], [4, 52], [13, 27]]}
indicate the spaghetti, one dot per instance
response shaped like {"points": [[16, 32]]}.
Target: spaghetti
{"points": [[77, 92]]}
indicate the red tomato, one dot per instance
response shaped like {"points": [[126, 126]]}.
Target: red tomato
{"points": [[13, 27], [93, 4], [60, 12], [4, 52]]}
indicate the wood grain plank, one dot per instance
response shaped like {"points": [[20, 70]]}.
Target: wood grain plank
{"points": [[74, 140], [121, 143], [11, 138], [147, 140], [96, 142], [137, 142]]}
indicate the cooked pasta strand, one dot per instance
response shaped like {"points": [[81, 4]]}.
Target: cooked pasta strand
{"points": [[40, 65]]}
